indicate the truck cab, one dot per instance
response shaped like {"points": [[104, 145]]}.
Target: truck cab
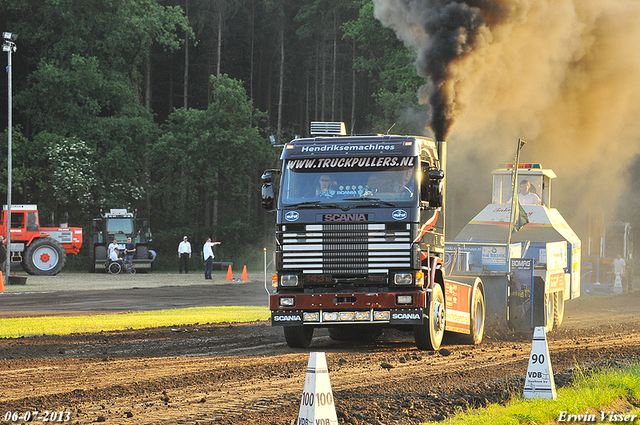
{"points": [[360, 237]]}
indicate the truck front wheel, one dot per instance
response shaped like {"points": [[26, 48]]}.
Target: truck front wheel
{"points": [[298, 336], [429, 335], [44, 257]]}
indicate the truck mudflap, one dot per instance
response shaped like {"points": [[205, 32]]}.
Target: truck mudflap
{"points": [[393, 316]]}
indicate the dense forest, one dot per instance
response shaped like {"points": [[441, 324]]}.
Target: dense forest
{"points": [[168, 106]]}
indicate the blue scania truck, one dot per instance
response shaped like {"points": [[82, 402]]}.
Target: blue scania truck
{"points": [[360, 241]]}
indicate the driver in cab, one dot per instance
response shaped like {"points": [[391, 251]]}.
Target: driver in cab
{"points": [[324, 189], [396, 184], [406, 182]]}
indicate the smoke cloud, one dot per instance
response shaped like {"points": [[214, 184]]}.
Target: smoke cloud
{"points": [[562, 74]]}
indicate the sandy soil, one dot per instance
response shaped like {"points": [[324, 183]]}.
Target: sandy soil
{"points": [[245, 373]]}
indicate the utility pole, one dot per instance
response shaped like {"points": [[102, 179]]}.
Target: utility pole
{"points": [[9, 46]]}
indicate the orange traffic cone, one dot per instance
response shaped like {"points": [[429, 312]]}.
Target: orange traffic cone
{"points": [[229, 273], [245, 278], [1, 282]]}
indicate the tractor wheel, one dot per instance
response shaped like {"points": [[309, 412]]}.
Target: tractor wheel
{"points": [[142, 252], [298, 336], [44, 257], [100, 253], [429, 335], [92, 261], [477, 319]]}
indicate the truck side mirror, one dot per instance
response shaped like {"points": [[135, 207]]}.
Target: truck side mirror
{"points": [[267, 190], [436, 178]]}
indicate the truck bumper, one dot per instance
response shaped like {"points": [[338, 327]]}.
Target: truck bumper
{"points": [[348, 308]]}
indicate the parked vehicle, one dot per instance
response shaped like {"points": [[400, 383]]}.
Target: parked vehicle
{"points": [[41, 251], [119, 224]]}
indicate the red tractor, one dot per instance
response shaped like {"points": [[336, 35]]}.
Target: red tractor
{"points": [[42, 251]]}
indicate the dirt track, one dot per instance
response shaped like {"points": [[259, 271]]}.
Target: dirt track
{"points": [[245, 373]]}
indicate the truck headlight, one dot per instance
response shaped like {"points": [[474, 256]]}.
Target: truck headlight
{"points": [[311, 316], [404, 299], [381, 315], [403, 279], [289, 280], [330, 316], [287, 301]]}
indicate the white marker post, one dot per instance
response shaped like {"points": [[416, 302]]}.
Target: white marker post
{"points": [[539, 382], [316, 407]]}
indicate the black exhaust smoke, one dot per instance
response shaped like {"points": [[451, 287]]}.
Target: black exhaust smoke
{"points": [[454, 31]]}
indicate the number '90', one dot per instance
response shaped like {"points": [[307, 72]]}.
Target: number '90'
{"points": [[537, 358]]}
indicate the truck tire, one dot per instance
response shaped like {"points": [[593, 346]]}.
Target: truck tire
{"points": [[558, 309], [477, 320], [298, 336], [359, 333], [44, 257], [429, 335]]}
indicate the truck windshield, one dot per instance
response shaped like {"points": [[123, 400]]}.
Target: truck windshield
{"points": [[120, 225], [391, 184]]}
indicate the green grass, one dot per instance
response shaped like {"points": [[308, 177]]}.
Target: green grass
{"points": [[29, 326], [606, 390]]}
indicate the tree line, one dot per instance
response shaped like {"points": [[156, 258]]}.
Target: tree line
{"points": [[168, 106]]}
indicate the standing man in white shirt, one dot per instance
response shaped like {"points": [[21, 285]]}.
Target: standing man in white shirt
{"points": [[184, 254], [207, 253]]}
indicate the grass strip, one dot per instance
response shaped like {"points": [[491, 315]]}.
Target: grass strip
{"points": [[605, 396], [65, 325]]}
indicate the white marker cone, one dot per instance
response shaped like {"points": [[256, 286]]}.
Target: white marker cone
{"points": [[539, 382], [316, 407]]}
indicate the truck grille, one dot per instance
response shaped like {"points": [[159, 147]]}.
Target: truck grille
{"points": [[346, 249]]}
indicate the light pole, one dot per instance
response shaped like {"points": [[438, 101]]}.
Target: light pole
{"points": [[9, 46]]}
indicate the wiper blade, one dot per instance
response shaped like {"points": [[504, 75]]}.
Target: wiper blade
{"points": [[312, 204], [370, 199]]}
